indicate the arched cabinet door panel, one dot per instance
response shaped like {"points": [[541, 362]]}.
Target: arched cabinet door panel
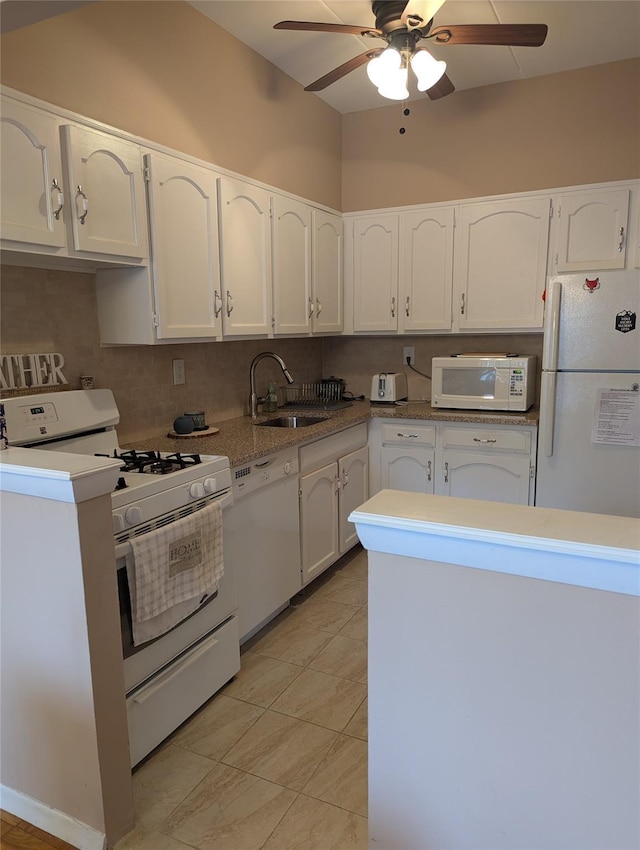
{"points": [[106, 186], [592, 230], [245, 258], [375, 273], [32, 188], [500, 264]]}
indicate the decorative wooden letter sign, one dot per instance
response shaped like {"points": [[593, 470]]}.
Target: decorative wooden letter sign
{"points": [[19, 371]]}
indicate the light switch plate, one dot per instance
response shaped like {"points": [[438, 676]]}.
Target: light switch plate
{"points": [[178, 372]]}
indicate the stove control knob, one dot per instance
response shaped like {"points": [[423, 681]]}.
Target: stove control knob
{"points": [[196, 491], [118, 523], [133, 515], [209, 485]]}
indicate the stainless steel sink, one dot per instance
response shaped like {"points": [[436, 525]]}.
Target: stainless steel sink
{"points": [[292, 421]]}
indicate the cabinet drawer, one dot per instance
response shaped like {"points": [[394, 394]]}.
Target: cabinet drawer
{"points": [[154, 710], [475, 438], [330, 448], [400, 434]]}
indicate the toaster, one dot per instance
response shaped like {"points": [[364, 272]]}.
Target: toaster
{"points": [[389, 387]]}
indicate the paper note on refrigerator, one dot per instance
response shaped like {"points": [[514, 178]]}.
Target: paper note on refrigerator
{"points": [[616, 420]]}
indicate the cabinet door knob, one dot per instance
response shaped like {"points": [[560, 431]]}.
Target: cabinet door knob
{"points": [[446, 473], [478, 440], [428, 470], [217, 304], [229, 303], [393, 308], [406, 306], [318, 307], [310, 306], [621, 242], [462, 304]]}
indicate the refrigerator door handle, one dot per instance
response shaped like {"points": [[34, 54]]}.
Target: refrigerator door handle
{"points": [[552, 326], [548, 410]]}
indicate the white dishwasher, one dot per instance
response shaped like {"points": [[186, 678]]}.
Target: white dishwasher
{"points": [[262, 537]]}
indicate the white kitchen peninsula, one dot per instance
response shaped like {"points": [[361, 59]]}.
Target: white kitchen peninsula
{"points": [[504, 675], [65, 750]]}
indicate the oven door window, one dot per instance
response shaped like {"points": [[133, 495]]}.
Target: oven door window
{"points": [[475, 382], [126, 629]]}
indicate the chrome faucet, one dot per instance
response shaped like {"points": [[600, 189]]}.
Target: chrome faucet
{"points": [[254, 400]]}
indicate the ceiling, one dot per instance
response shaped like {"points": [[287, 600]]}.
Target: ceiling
{"points": [[581, 33]]}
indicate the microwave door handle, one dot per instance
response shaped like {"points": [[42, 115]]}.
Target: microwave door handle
{"points": [[552, 327], [548, 410]]}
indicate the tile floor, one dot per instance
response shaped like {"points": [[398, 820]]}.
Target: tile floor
{"points": [[278, 758]]}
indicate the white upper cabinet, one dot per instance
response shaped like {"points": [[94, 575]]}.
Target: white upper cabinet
{"points": [[106, 206], [326, 279], [500, 264], [592, 230], [293, 306], [32, 186], [426, 270], [375, 273], [245, 258], [183, 217]]}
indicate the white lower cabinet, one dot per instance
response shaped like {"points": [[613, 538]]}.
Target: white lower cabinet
{"points": [[468, 461], [353, 475], [482, 462], [407, 457], [334, 481]]}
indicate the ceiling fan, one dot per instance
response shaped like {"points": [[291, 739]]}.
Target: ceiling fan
{"points": [[404, 25]]}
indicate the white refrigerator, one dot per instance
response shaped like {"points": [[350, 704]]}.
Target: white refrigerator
{"points": [[589, 435]]}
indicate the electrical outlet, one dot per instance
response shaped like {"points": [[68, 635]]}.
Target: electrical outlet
{"points": [[178, 372], [410, 352]]}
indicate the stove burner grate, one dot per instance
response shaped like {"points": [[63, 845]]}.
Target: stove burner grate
{"points": [[152, 462]]}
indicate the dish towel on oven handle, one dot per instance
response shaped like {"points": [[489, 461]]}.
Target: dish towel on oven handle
{"points": [[172, 569]]}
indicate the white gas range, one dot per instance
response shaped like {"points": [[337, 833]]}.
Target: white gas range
{"points": [[168, 678]]}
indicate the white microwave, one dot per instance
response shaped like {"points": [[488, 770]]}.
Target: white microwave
{"points": [[483, 381]]}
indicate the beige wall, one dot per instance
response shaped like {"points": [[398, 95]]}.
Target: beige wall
{"points": [[163, 71], [559, 130]]}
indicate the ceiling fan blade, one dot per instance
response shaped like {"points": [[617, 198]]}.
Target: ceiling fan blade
{"points": [[343, 70], [311, 26], [515, 35], [442, 88], [418, 13]]}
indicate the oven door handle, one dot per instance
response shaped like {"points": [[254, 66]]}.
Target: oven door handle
{"points": [[174, 670]]}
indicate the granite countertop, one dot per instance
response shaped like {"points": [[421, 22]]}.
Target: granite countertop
{"points": [[241, 441]]}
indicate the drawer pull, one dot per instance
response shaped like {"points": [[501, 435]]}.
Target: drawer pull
{"points": [[446, 473], [478, 440], [428, 470], [410, 436]]}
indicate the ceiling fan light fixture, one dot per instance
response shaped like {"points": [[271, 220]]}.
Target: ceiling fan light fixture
{"points": [[395, 86], [382, 67], [427, 69], [388, 75]]}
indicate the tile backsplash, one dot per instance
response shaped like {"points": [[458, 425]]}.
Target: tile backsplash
{"points": [[47, 310]]}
